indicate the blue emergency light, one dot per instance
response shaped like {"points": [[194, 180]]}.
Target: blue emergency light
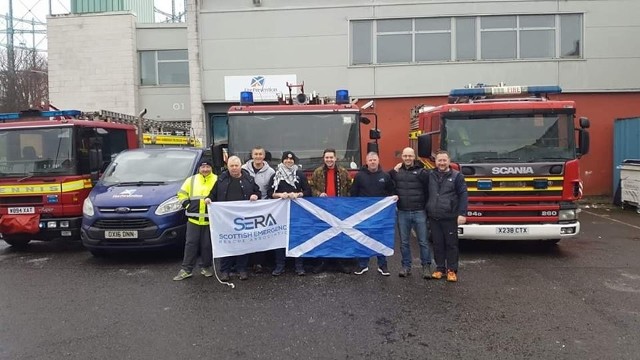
{"points": [[56, 113], [484, 184], [246, 98], [9, 116], [37, 113], [342, 96], [506, 90]]}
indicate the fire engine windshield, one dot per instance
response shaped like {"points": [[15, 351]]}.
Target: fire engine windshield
{"points": [[37, 151], [306, 134], [518, 139], [150, 167]]}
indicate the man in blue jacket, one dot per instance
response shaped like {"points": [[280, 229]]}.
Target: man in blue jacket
{"points": [[372, 181], [446, 208]]}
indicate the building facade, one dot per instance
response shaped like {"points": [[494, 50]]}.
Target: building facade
{"points": [[401, 53]]}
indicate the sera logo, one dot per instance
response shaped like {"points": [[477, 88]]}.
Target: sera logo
{"points": [[253, 222]]}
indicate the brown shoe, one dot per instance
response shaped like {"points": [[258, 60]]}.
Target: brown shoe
{"points": [[437, 275], [452, 276]]}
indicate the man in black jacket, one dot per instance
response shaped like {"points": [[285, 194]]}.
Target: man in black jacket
{"points": [[446, 207], [372, 181], [410, 179], [234, 184]]}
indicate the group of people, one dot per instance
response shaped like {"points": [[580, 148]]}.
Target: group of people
{"points": [[435, 199]]}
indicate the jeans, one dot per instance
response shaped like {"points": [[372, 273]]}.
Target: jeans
{"points": [[240, 262], [281, 257], [445, 243], [364, 262], [416, 219], [197, 241]]}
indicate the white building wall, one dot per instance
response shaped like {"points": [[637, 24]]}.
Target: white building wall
{"points": [[311, 39], [167, 102], [92, 62]]}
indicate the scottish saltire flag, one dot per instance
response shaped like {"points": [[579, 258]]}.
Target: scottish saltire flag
{"points": [[342, 227], [244, 227]]}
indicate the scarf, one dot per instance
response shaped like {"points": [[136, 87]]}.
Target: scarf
{"points": [[286, 174]]}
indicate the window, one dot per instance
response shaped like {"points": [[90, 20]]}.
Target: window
{"points": [[512, 37], [164, 67]]}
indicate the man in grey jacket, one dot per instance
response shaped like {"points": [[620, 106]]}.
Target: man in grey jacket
{"points": [[261, 172]]}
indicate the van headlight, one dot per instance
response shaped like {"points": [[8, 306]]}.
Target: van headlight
{"points": [[169, 206], [87, 208], [565, 215]]}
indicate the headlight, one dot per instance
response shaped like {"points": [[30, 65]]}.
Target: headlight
{"points": [[87, 208], [564, 215], [169, 206]]}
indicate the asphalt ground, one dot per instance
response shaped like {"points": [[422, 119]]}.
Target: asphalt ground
{"points": [[579, 299]]}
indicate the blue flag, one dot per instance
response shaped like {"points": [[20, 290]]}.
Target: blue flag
{"points": [[342, 227]]}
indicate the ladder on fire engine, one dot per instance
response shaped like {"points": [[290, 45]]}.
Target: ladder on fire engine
{"points": [[156, 132]]}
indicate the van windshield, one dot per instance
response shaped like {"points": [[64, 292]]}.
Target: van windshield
{"points": [[150, 166]]}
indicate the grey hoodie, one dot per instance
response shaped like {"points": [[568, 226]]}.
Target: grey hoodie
{"points": [[262, 177]]}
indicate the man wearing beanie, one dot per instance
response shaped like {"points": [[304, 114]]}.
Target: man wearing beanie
{"points": [[198, 236]]}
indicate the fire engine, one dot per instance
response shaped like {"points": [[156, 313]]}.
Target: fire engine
{"points": [[304, 123], [518, 150], [49, 161]]}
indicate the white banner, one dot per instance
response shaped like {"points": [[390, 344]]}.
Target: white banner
{"points": [[244, 227], [264, 87]]}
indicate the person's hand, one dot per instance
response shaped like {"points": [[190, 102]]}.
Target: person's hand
{"points": [[395, 197], [296, 195], [253, 197], [397, 167], [461, 220], [323, 194], [207, 201]]}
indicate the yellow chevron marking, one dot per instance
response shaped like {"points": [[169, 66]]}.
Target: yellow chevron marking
{"points": [[46, 188]]}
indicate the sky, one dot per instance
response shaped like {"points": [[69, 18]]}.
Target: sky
{"points": [[38, 10]]}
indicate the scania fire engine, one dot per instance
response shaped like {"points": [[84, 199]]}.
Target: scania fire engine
{"points": [[518, 151]]}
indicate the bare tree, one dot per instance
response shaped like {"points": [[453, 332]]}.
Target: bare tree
{"points": [[27, 84]]}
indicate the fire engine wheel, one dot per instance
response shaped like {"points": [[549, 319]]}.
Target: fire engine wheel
{"points": [[17, 242]]}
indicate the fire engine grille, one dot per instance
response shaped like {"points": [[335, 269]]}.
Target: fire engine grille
{"points": [[473, 192], [16, 200], [123, 223]]}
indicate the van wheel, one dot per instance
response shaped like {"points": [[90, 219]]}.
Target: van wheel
{"points": [[17, 242]]}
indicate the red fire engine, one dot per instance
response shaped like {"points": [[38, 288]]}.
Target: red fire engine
{"points": [[304, 123], [48, 161], [518, 151]]}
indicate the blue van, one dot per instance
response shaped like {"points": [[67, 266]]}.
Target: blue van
{"points": [[134, 204]]}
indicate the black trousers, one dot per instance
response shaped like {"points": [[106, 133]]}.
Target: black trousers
{"points": [[444, 233]]}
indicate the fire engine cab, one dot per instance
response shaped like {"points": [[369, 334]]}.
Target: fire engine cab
{"points": [[518, 150], [304, 123]]}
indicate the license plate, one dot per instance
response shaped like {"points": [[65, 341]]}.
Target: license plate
{"points": [[121, 234], [512, 230], [21, 210]]}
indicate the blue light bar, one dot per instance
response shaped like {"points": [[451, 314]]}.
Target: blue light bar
{"points": [[342, 96], [484, 184], [246, 98], [506, 90], [36, 113], [56, 113], [9, 116]]}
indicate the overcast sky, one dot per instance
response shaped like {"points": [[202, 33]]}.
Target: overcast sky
{"points": [[38, 10]]}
